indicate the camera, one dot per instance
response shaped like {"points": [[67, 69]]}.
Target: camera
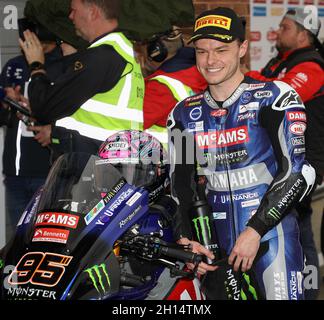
{"points": [[41, 32]]}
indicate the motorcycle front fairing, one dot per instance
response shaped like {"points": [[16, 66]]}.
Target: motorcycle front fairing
{"points": [[64, 247]]}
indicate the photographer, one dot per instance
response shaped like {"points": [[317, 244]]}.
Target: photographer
{"points": [[25, 161]]}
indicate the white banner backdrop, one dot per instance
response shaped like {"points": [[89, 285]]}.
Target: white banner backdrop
{"points": [[265, 18]]}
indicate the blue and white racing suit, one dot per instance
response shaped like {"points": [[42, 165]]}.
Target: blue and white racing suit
{"points": [[251, 149]]}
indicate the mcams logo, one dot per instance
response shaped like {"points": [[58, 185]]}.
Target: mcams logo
{"points": [[10, 17]]}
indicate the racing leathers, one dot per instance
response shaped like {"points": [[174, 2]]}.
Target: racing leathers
{"points": [[251, 150]]}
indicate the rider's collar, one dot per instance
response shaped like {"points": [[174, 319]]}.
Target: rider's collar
{"points": [[228, 102]]}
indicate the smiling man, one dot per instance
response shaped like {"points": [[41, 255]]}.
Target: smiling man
{"points": [[248, 147]]}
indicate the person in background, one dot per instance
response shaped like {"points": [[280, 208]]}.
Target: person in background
{"points": [[102, 90], [175, 78], [22, 175], [300, 63]]}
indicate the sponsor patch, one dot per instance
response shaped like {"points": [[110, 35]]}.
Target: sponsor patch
{"points": [[263, 94], [246, 97], [218, 113], [219, 215], [196, 126], [288, 100], [51, 235], [246, 116], [298, 141], [296, 115], [255, 86], [250, 203], [217, 139], [298, 128], [299, 150], [57, 219], [213, 21], [229, 157], [195, 114], [253, 106]]}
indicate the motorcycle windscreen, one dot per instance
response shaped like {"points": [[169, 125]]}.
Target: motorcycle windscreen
{"points": [[77, 182]]}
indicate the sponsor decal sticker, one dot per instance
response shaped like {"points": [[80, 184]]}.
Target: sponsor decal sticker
{"points": [[133, 199], [94, 212], [51, 235], [57, 219], [115, 146], [219, 215], [99, 277]]}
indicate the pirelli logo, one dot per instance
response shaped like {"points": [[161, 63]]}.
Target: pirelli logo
{"points": [[213, 21]]}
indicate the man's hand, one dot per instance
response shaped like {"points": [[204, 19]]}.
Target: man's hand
{"points": [[245, 249], [42, 134], [196, 247], [32, 47]]}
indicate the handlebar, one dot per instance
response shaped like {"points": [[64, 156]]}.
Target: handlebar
{"points": [[152, 248], [180, 254]]}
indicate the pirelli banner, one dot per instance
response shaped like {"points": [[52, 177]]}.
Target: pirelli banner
{"points": [[265, 18]]}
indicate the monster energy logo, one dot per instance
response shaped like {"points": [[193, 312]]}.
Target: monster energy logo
{"points": [[99, 275], [250, 288], [205, 227], [274, 213], [1, 264]]}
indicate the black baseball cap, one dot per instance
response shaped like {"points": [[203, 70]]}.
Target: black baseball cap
{"points": [[220, 24]]}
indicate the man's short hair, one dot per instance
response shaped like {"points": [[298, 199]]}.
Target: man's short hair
{"points": [[111, 8]]}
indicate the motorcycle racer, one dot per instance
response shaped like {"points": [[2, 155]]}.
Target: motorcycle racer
{"points": [[246, 138]]}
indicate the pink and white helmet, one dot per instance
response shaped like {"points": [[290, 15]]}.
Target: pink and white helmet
{"points": [[140, 158]]}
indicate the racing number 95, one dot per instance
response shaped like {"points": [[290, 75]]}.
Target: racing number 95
{"points": [[38, 268]]}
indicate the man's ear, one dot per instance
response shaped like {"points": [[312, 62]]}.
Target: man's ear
{"points": [[94, 11], [243, 48]]}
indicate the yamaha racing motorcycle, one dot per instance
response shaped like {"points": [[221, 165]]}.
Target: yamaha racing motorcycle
{"points": [[89, 235]]}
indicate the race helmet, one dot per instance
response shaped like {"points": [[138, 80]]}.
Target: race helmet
{"points": [[140, 158]]}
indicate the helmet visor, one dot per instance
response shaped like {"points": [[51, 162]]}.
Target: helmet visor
{"points": [[139, 175]]}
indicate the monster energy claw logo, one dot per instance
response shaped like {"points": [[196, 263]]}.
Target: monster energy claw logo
{"points": [[249, 287], [205, 227], [99, 274], [274, 213]]}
